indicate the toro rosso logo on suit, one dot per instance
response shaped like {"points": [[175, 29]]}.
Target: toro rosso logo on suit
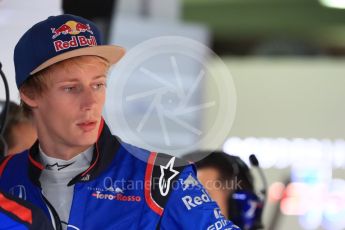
{"points": [[119, 197], [115, 193], [73, 28]]}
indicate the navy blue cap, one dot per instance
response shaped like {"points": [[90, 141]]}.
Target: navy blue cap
{"points": [[56, 39]]}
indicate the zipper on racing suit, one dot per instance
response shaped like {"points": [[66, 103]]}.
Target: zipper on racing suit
{"points": [[53, 214]]}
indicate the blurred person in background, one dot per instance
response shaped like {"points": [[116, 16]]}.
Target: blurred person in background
{"points": [[19, 133], [230, 183], [100, 14]]}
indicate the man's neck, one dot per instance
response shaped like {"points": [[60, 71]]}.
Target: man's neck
{"points": [[62, 152]]}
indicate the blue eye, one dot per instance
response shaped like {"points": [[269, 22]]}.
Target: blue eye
{"points": [[69, 89], [99, 86]]}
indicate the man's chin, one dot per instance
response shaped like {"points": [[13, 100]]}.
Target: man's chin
{"points": [[87, 139]]}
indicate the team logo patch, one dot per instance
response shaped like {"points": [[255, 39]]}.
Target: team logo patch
{"points": [[162, 177], [197, 200], [57, 166], [85, 178], [72, 28], [189, 182], [18, 191], [111, 192], [119, 196], [221, 222], [167, 174], [75, 29]]}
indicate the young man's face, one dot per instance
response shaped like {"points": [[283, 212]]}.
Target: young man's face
{"points": [[69, 112]]}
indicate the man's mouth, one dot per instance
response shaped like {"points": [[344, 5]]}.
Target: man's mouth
{"points": [[87, 126]]}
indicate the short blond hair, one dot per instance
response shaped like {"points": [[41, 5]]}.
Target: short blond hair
{"points": [[40, 82]]}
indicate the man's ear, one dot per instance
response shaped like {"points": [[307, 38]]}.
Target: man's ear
{"points": [[29, 98]]}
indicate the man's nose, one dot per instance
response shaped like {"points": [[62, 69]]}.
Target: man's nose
{"points": [[89, 98]]}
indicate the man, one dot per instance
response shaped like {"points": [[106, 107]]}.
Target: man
{"points": [[19, 132], [77, 172], [230, 183]]}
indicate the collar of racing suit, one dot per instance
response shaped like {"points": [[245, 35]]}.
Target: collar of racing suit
{"points": [[103, 155]]}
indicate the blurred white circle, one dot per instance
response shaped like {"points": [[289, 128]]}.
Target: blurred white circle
{"points": [[171, 94]]}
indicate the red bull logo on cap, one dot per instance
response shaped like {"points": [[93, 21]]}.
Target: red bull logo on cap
{"points": [[73, 28]]}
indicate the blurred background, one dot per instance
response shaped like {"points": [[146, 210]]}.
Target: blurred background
{"points": [[287, 61]]}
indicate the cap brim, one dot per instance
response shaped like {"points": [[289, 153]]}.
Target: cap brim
{"points": [[111, 53]]}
